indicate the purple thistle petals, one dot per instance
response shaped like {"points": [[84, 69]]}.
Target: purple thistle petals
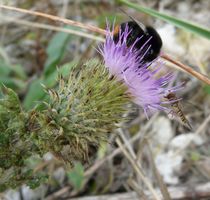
{"points": [[127, 64], [117, 56], [144, 89]]}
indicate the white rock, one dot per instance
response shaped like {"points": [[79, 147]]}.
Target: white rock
{"points": [[198, 49], [59, 174], [183, 8], [12, 195], [35, 194], [167, 164], [48, 156], [163, 132], [169, 38], [184, 140]]}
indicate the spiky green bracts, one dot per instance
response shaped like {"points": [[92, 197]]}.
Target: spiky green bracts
{"points": [[79, 114]]}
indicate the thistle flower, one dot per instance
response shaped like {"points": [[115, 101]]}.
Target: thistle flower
{"points": [[117, 56], [141, 78]]}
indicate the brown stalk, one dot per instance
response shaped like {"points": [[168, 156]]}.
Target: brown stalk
{"points": [[56, 18], [53, 28], [187, 69]]}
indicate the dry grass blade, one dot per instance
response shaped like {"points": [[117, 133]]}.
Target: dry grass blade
{"points": [[200, 191], [56, 18], [58, 194], [203, 125], [127, 144], [138, 171], [93, 168], [50, 27], [138, 190], [161, 184], [198, 131], [159, 179]]}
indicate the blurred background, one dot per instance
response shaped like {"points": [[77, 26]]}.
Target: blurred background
{"points": [[31, 48]]}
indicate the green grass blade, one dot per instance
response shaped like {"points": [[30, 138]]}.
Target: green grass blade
{"points": [[55, 51], [189, 26]]}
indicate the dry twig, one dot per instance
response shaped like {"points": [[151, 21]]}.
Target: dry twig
{"points": [[50, 27], [138, 171], [187, 69], [56, 18], [141, 134], [162, 185], [177, 193]]}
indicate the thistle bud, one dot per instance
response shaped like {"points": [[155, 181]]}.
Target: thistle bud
{"points": [[81, 113]]}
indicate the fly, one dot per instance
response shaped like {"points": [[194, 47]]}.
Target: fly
{"points": [[175, 106]]}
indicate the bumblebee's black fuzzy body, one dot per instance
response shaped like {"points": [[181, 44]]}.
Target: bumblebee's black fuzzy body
{"points": [[149, 38]]}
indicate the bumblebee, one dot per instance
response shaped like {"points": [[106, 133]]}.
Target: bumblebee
{"points": [[150, 39]]}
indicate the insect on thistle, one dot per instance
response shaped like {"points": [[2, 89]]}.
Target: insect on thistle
{"points": [[143, 37], [176, 109]]}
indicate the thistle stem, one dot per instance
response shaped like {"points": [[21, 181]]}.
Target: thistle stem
{"points": [[187, 69]]}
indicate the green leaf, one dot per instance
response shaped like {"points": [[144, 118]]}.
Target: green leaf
{"points": [[12, 75], [55, 51], [207, 89], [189, 26], [12, 97], [76, 176], [4, 68], [50, 81], [35, 180], [195, 156], [19, 71], [34, 94], [12, 83]]}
